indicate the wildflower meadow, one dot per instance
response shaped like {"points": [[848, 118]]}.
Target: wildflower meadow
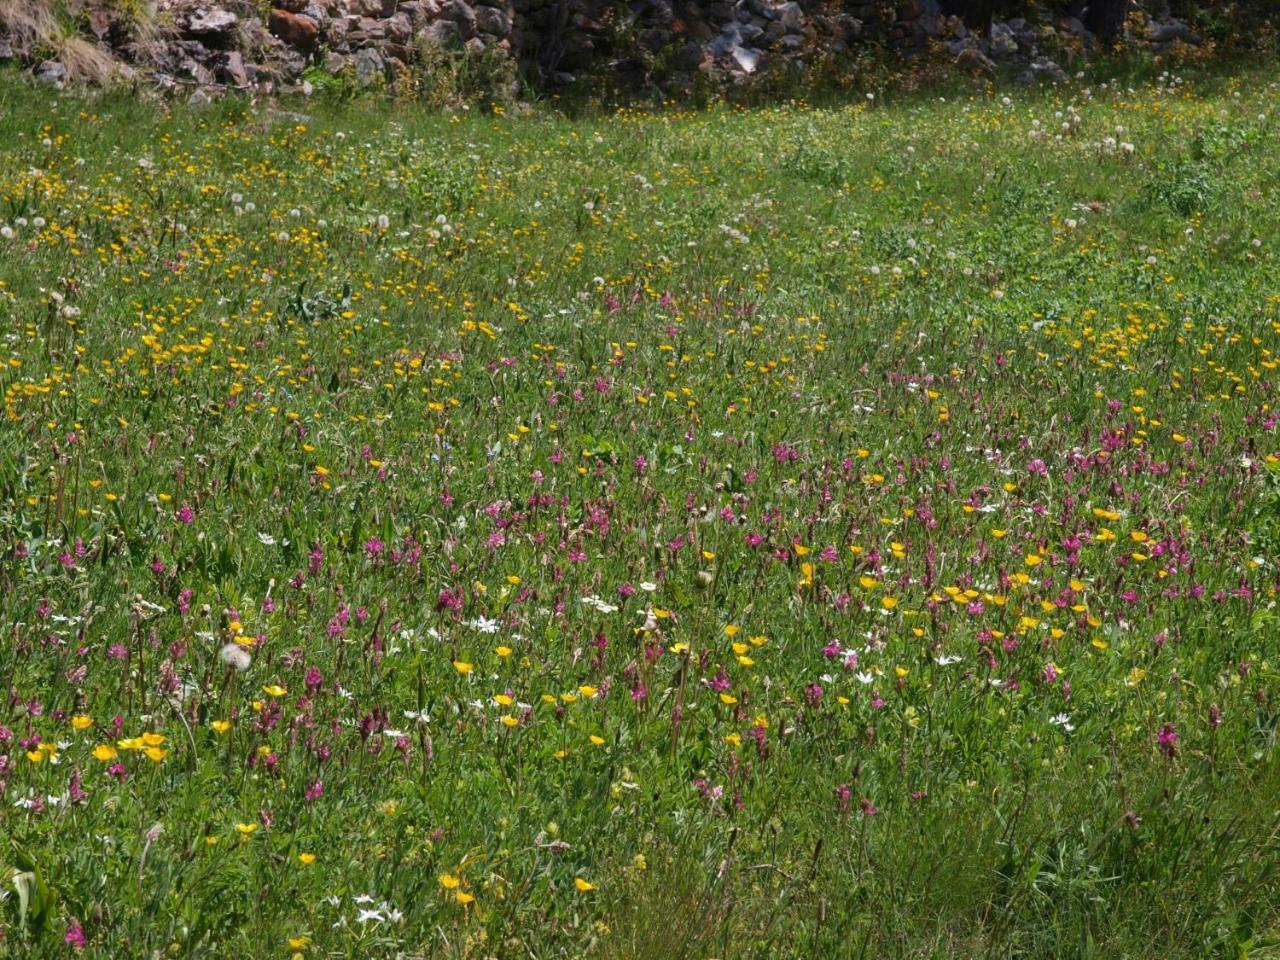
{"points": [[842, 530]]}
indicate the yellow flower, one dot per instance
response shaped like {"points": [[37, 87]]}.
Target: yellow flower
{"points": [[728, 699], [582, 885], [307, 859], [597, 740], [1033, 559], [246, 829], [463, 667], [82, 722], [155, 754], [274, 690], [297, 943], [888, 602], [152, 739], [104, 752], [731, 630], [130, 743], [463, 897], [503, 652], [587, 692], [221, 726], [510, 721]]}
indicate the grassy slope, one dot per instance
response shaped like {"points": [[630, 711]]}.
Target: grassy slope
{"points": [[747, 262]]}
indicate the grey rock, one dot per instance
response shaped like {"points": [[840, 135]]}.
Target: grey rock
{"points": [[335, 63], [1003, 43], [198, 72], [6, 49], [233, 70], [849, 27], [791, 17], [443, 34], [746, 59], [370, 67], [494, 21], [52, 72], [461, 13], [727, 41], [1042, 68], [1074, 27], [420, 12], [971, 56], [1168, 32], [214, 22], [399, 29]]}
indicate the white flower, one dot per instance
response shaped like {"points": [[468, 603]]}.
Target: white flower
{"points": [[484, 625], [235, 656], [1063, 720], [597, 604]]}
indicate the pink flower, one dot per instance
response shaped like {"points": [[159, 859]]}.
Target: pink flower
{"points": [[75, 936]]}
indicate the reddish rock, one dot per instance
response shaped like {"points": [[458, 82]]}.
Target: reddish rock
{"points": [[297, 31]]}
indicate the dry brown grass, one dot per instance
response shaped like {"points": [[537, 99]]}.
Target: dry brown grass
{"points": [[48, 30]]}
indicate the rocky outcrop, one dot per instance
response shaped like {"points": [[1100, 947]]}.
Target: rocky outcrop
{"points": [[231, 44]]}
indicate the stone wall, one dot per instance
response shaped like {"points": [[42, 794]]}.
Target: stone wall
{"points": [[248, 45]]}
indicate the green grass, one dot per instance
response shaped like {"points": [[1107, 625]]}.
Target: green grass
{"points": [[923, 469]]}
